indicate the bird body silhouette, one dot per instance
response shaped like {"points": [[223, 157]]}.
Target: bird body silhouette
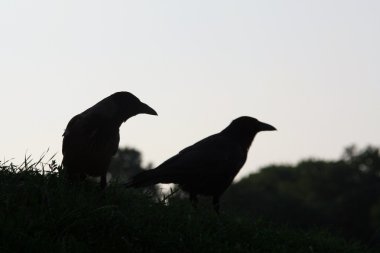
{"points": [[92, 137], [209, 166]]}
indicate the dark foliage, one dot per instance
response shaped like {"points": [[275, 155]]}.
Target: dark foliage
{"points": [[343, 195], [41, 212], [126, 163]]}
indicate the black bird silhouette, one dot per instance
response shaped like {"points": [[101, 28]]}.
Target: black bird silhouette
{"points": [[92, 137], [209, 166]]}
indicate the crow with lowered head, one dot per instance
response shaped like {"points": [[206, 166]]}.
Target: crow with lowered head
{"points": [[92, 137], [209, 166]]}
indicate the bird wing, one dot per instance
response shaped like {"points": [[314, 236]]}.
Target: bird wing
{"points": [[88, 132], [216, 155]]}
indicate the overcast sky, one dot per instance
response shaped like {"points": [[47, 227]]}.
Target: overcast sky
{"points": [[310, 68]]}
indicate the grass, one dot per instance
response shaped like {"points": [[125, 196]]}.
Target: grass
{"points": [[41, 212]]}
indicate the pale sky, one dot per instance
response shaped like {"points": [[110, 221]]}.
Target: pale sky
{"points": [[310, 68]]}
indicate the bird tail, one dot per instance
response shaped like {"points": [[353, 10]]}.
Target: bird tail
{"points": [[143, 179]]}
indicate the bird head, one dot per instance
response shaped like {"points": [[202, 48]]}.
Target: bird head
{"points": [[245, 128], [129, 105], [251, 125]]}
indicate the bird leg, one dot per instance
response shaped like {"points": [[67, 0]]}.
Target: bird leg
{"points": [[193, 200], [215, 202]]}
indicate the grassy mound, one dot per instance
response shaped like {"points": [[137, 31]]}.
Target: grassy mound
{"points": [[41, 212]]}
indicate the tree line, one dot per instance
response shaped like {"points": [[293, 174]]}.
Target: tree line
{"points": [[342, 195]]}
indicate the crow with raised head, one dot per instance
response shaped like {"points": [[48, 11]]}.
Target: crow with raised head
{"points": [[92, 137], [209, 166]]}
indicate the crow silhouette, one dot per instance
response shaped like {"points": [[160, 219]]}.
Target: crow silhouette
{"points": [[209, 166], [92, 137]]}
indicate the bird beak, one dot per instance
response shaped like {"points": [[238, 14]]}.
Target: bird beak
{"points": [[266, 127], [144, 108]]}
